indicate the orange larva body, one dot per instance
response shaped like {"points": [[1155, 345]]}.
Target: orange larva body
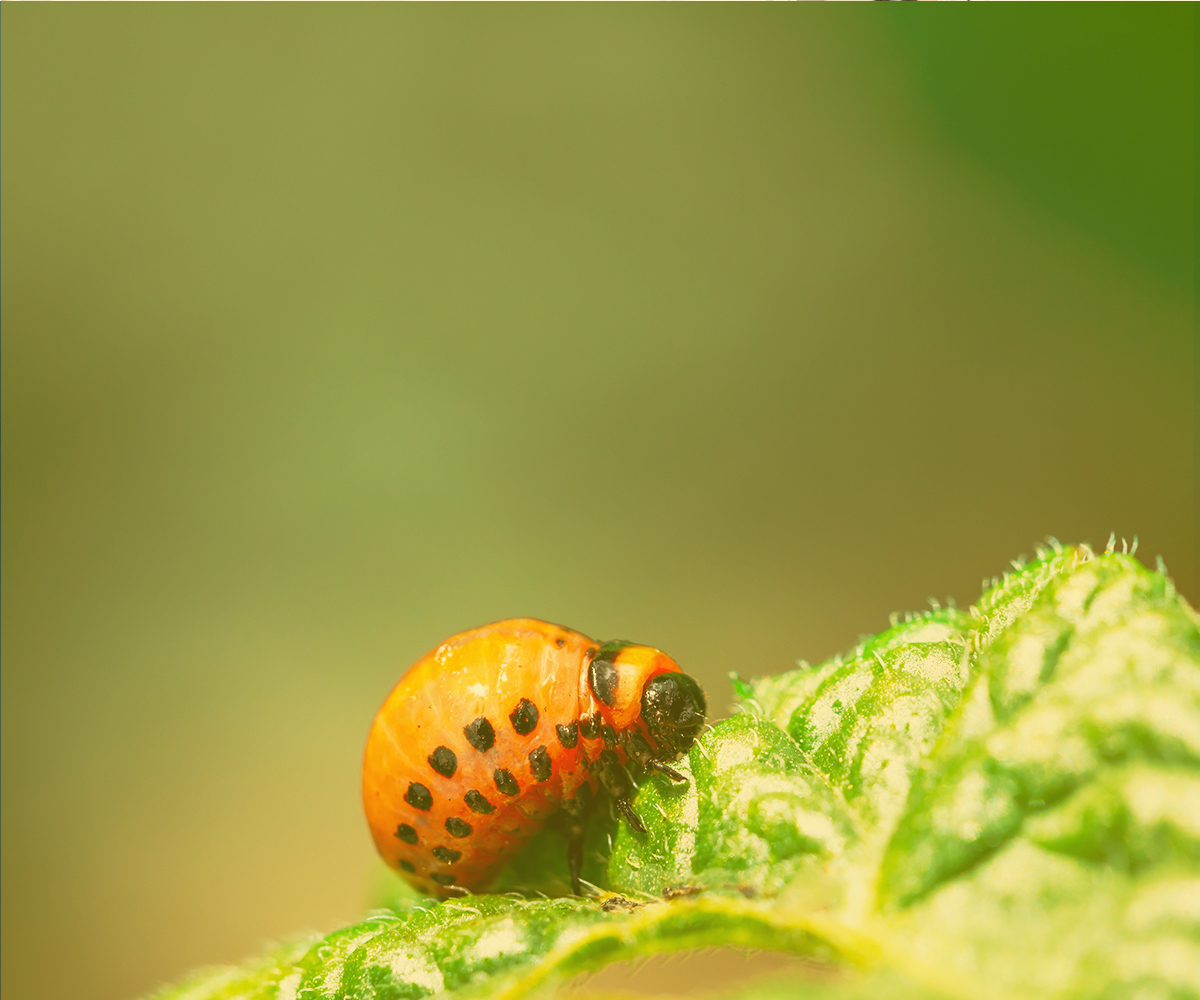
{"points": [[485, 738]]}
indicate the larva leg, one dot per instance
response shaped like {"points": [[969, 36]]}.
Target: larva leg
{"points": [[576, 826], [616, 781], [639, 751], [663, 768]]}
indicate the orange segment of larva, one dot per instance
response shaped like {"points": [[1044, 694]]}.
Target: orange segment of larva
{"points": [[496, 729]]}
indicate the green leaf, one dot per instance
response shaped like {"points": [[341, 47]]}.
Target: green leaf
{"points": [[998, 802], [1058, 821], [495, 946], [754, 817]]}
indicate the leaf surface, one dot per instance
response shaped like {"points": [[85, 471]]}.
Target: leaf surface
{"points": [[998, 802]]}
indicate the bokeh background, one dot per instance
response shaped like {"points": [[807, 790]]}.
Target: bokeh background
{"points": [[329, 331]]}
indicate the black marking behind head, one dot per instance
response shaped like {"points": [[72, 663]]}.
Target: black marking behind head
{"points": [[568, 735], [603, 678], [477, 803], [444, 762], [418, 796], [458, 827], [408, 866], [506, 784], [443, 878], [446, 855], [406, 833], [480, 734], [524, 717], [539, 763], [673, 709]]}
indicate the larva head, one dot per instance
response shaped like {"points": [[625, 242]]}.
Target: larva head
{"points": [[629, 682], [673, 709]]}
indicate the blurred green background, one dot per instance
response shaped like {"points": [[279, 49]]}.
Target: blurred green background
{"points": [[329, 331]]}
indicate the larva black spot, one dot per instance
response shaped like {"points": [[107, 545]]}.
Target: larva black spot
{"points": [[458, 827], [589, 726], [604, 680], [568, 735], [480, 734], [477, 803], [445, 855], [444, 762], [506, 784], [539, 764], [408, 866], [609, 734], [406, 833], [418, 796], [443, 878], [560, 641], [524, 717]]}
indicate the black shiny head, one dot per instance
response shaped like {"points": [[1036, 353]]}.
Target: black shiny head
{"points": [[673, 708]]}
